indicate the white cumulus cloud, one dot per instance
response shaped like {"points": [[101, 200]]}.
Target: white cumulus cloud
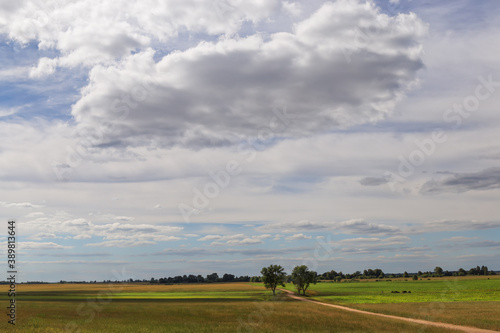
{"points": [[219, 92]]}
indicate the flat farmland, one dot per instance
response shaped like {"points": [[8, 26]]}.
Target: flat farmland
{"points": [[469, 301], [225, 307]]}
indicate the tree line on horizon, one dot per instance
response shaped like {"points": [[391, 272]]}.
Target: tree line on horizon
{"points": [[379, 274], [331, 275]]}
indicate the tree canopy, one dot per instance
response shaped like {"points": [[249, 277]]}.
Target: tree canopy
{"points": [[302, 277], [273, 276]]}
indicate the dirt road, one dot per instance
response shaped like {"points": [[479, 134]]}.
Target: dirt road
{"points": [[411, 320]]}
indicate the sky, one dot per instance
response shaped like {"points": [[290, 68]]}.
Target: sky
{"points": [[162, 138]]}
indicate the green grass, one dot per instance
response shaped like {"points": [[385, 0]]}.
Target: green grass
{"points": [[470, 301], [199, 316], [475, 314], [64, 292], [434, 290], [242, 307], [191, 295]]}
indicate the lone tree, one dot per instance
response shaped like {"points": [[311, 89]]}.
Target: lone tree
{"points": [[302, 277], [273, 276]]}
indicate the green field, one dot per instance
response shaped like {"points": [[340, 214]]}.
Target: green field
{"points": [[473, 301], [235, 307], [433, 290]]}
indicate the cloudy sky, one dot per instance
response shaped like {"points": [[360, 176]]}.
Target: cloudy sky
{"points": [[165, 137]]}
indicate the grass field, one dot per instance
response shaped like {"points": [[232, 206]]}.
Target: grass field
{"points": [[473, 301], [433, 290], [475, 314], [62, 292], [229, 307]]}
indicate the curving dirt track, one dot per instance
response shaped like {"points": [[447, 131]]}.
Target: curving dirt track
{"points": [[411, 320]]}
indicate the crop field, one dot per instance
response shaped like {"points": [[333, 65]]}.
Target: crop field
{"points": [[471, 301], [225, 307], [104, 292]]}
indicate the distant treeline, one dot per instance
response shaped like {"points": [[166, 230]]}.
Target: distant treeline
{"points": [[379, 274], [210, 278], [330, 275]]}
